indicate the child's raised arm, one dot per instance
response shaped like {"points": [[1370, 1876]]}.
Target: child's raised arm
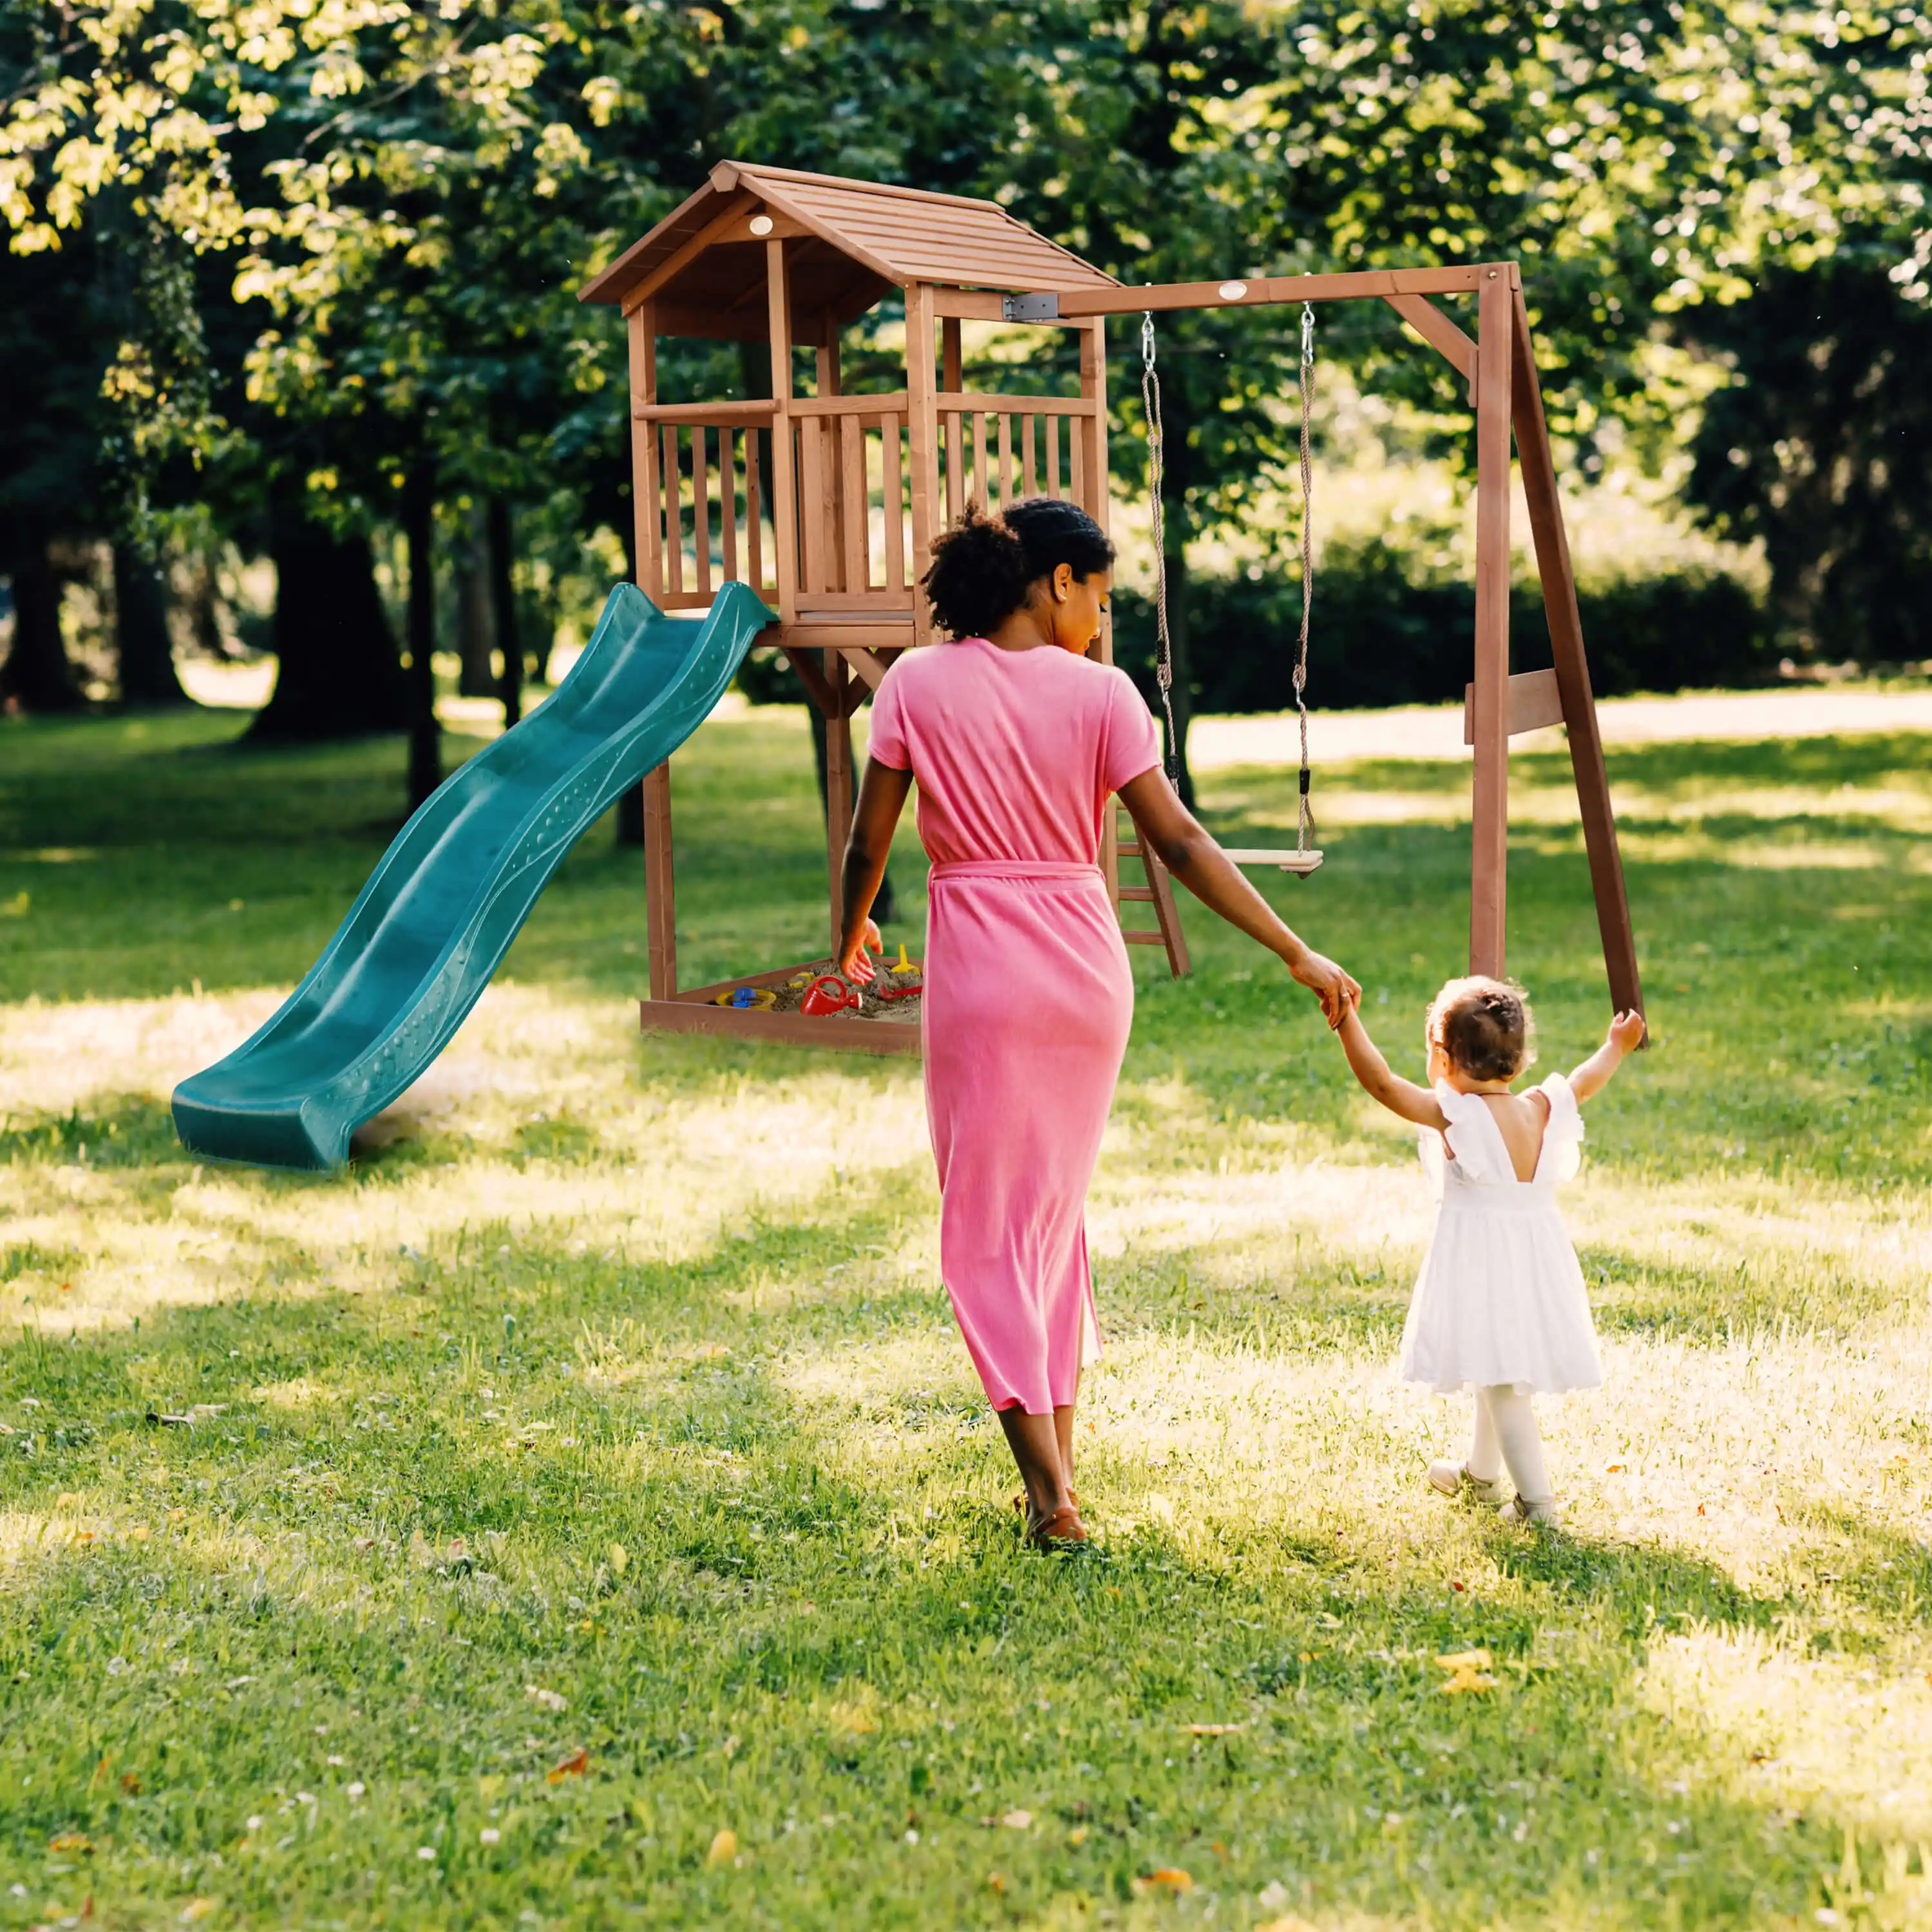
{"points": [[1400, 1097], [1625, 1035]]}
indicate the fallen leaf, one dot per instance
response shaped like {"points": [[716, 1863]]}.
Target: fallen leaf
{"points": [[723, 1848], [197, 1908], [1018, 1821], [574, 1765], [551, 1700], [67, 1499], [1169, 1878], [1078, 1836], [1216, 1730], [71, 1841], [1465, 1659], [130, 1784], [619, 1558], [996, 1882]]}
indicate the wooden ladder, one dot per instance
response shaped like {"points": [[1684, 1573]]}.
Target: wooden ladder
{"points": [[1159, 893]]}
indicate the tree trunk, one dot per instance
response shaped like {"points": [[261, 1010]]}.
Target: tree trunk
{"points": [[475, 619], [503, 606], [147, 651], [338, 674], [425, 739], [38, 675]]}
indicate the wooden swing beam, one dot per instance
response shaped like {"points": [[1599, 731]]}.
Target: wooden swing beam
{"points": [[1499, 364]]}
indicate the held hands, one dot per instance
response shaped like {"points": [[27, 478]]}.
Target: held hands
{"points": [[1337, 991], [855, 966]]}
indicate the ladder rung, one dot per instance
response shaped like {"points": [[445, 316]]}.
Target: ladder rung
{"points": [[1143, 938], [1130, 848], [1137, 892]]}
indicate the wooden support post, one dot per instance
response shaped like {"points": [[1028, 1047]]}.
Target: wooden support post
{"points": [[1572, 674], [923, 446], [1089, 433], [783, 477], [645, 486], [1489, 884], [837, 788], [660, 895]]}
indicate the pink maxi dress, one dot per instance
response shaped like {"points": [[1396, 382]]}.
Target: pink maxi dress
{"points": [[1028, 995]]}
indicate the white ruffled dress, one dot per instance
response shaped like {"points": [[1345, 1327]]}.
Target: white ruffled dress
{"points": [[1501, 1297]]}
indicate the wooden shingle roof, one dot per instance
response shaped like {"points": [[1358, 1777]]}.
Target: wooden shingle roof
{"points": [[852, 241]]}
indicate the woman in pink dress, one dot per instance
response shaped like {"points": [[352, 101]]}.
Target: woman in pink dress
{"points": [[1018, 740]]}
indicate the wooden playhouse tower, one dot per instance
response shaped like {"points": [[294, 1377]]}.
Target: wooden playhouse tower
{"points": [[826, 504]]}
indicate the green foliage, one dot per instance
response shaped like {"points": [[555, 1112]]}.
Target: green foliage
{"points": [[1820, 448], [1391, 629]]}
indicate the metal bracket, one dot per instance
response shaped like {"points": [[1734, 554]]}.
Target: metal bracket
{"points": [[1030, 308]]}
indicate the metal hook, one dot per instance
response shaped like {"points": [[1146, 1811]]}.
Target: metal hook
{"points": [[1307, 333], [1147, 339]]}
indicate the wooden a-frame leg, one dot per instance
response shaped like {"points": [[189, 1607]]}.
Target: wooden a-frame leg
{"points": [[660, 898], [1573, 674], [1489, 872], [837, 790]]}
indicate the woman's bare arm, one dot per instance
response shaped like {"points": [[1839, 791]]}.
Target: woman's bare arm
{"points": [[1400, 1097], [1188, 851], [882, 797]]}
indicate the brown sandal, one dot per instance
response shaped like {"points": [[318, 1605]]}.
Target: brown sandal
{"points": [[1062, 1530]]}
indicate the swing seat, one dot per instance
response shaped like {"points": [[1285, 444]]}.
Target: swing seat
{"points": [[1301, 862]]}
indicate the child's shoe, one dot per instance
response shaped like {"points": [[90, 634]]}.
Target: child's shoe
{"points": [[1533, 1515], [1452, 1479]]}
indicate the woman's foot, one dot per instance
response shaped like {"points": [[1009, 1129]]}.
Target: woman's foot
{"points": [[1454, 1479], [1062, 1530], [1020, 1500]]}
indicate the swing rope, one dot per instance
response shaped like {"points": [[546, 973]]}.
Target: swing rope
{"points": [[1163, 658], [1163, 663], [1306, 820]]}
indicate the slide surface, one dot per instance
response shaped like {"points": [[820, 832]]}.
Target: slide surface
{"points": [[439, 912]]}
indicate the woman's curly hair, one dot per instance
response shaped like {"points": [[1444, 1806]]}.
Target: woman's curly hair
{"points": [[984, 569], [1484, 1026]]}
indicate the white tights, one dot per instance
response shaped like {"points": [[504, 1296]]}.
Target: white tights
{"points": [[1506, 1433]]}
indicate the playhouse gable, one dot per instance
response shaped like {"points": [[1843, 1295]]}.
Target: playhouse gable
{"points": [[703, 266]]}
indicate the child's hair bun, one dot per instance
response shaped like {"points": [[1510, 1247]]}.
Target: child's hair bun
{"points": [[1484, 1026]]}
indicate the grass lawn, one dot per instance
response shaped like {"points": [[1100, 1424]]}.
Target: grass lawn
{"points": [[585, 1514]]}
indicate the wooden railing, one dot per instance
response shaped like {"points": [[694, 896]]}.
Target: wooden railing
{"points": [[704, 470], [709, 519], [855, 503], [995, 450]]}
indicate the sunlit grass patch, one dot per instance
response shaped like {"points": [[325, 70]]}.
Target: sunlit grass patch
{"points": [[591, 1477]]}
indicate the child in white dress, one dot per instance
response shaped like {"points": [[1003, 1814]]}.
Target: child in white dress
{"points": [[1500, 1306]]}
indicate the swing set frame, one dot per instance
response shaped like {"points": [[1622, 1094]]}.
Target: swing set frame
{"points": [[827, 504], [1499, 364]]}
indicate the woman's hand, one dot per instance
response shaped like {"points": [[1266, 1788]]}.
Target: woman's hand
{"points": [[1337, 990], [855, 966]]}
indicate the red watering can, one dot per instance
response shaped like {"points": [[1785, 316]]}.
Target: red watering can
{"points": [[827, 995]]}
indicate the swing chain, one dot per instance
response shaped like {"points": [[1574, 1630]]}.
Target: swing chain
{"points": [[1163, 661], [1305, 821]]}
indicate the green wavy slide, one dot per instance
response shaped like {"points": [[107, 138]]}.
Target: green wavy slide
{"points": [[439, 912]]}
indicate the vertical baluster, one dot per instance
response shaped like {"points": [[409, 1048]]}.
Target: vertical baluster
{"points": [[814, 487], [673, 515], [727, 494], [852, 497], [955, 464], [1029, 475], [1053, 456], [893, 493], [755, 535], [700, 506], [1005, 460], [1076, 452]]}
